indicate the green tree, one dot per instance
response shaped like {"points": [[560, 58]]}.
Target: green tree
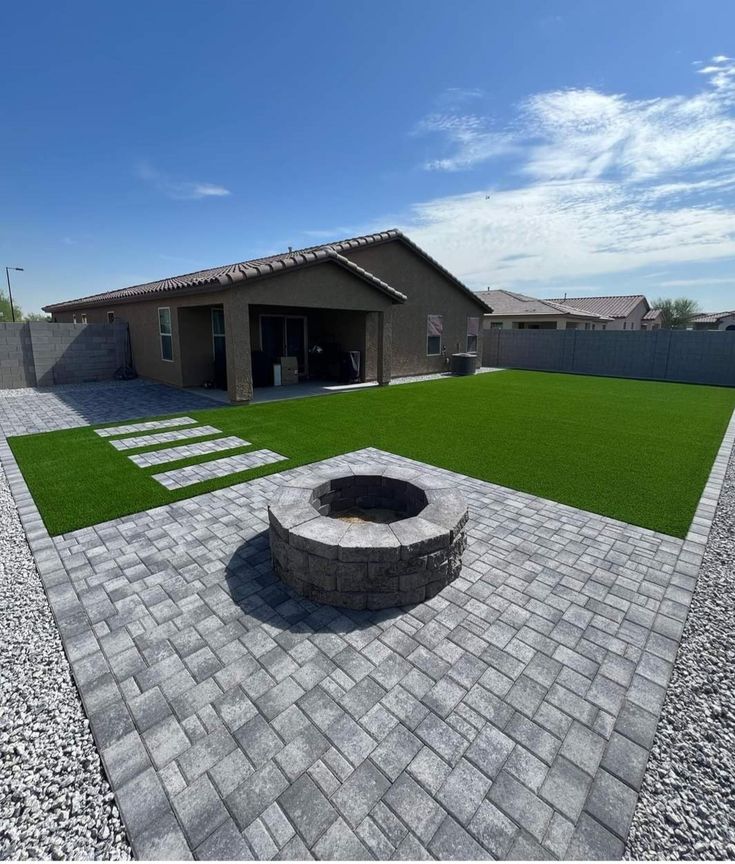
{"points": [[36, 316], [677, 313], [5, 314]]}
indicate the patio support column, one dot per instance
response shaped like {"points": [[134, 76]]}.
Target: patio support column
{"points": [[385, 346], [237, 346]]}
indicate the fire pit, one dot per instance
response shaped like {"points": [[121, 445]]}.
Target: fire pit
{"points": [[368, 539]]}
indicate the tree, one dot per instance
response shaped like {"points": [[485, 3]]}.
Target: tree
{"points": [[36, 316], [5, 313], [676, 314]]}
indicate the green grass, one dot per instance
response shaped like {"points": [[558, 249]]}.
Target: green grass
{"points": [[639, 451]]}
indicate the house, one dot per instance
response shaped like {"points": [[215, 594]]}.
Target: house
{"points": [[625, 311], [513, 311], [714, 321], [652, 320], [379, 295]]}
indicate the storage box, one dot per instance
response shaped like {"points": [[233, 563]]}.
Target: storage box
{"points": [[289, 370]]}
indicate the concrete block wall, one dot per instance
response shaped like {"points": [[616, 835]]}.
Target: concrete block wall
{"points": [[698, 357], [40, 353], [16, 357]]}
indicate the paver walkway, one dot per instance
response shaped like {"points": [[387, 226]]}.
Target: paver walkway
{"points": [[510, 716]]}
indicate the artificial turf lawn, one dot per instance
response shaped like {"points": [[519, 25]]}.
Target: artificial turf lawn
{"points": [[640, 451]]}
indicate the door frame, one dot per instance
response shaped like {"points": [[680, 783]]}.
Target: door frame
{"points": [[285, 315]]}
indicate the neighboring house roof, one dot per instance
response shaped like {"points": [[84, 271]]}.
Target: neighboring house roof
{"points": [[510, 303], [255, 268], [711, 317], [619, 306], [652, 315]]}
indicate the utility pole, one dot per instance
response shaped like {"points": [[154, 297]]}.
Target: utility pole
{"points": [[10, 292]]}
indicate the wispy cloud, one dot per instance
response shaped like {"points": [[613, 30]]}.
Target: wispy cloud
{"points": [[606, 184], [179, 190]]}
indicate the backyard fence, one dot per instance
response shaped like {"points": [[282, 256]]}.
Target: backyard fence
{"points": [[698, 357], [41, 353]]}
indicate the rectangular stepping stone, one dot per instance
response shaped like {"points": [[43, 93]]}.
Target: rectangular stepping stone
{"points": [[180, 477], [111, 431], [184, 451], [163, 437]]}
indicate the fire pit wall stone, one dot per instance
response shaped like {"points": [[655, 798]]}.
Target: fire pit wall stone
{"points": [[331, 558]]}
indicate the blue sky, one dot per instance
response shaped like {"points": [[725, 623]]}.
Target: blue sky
{"points": [[539, 146]]}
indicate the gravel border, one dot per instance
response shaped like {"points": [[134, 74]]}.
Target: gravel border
{"points": [[55, 801], [686, 808]]}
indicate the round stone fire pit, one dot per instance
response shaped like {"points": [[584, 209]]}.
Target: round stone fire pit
{"points": [[368, 538]]}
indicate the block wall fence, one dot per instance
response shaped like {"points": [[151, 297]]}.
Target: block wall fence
{"points": [[41, 353], [689, 356]]}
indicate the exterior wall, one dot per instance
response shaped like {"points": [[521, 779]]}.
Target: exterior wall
{"points": [[666, 355], [544, 322], [16, 357], [429, 292], [40, 353]]}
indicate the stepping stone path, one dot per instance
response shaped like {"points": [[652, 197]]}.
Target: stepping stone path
{"points": [[111, 431], [185, 451], [180, 478], [163, 437]]}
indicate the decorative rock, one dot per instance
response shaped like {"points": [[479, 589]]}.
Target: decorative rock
{"points": [[325, 546]]}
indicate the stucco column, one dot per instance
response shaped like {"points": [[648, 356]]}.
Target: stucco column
{"points": [[237, 346], [385, 346]]}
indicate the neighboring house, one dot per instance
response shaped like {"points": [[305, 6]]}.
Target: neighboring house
{"points": [[714, 321], [652, 320], [379, 294], [626, 311], [513, 311]]}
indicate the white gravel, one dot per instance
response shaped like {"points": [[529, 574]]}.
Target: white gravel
{"points": [[686, 809], [54, 799]]}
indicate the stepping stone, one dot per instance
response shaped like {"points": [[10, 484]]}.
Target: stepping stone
{"points": [[110, 431], [163, 437], [181, 477], [184, 451]]}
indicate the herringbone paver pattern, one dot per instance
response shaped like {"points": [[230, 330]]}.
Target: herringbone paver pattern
{"points": [[505, 717]]}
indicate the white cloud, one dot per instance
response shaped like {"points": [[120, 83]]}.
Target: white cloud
{"points": [[608, 184], [179, 190]]}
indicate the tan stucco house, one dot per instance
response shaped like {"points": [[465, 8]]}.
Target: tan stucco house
{"points": [[514, 311], [625, 311], [714, 321], [380, 295]]}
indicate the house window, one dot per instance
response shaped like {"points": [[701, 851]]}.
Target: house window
{"points": [[434, 330], [110, 317], [496, 325], [473, 328], [164, 330], [84, 317], [73, 319], [571, 325]]}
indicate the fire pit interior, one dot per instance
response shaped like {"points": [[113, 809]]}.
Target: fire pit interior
{"points": [[368, 539]]}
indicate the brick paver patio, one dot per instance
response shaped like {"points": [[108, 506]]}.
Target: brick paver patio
{"points": [[510, 716]]}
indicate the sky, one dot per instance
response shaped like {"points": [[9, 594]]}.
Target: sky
{"points": [[548, 148]]}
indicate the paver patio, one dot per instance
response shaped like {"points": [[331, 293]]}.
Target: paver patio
{"points": [[510, 716]]}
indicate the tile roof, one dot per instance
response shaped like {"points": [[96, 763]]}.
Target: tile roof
{"points": [[221, 277], [511, 303], [652, 315], [711, 317], [614, 306]]}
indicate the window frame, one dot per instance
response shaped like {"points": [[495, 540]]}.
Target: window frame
{"points": [[169, 335], [438, 336], [111, 316]]}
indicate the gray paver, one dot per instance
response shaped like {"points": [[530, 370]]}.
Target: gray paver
{"points": [[480, 653], [186, 451], [178, 478], [135, 441]]}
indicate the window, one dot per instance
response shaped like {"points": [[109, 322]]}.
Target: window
{"points": [[434, 330], [73, 319], [571, 325], [496, 325], [164, 329], [473, 328], [84, 317], [110, 317]]}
